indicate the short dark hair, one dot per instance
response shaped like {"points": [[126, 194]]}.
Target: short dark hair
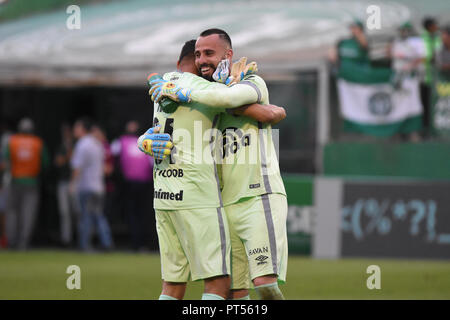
{"points": [[222, 34], [188, 49], [428, 22]]}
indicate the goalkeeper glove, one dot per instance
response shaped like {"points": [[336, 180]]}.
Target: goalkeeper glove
{"points": [[166, 104], [163, 88], [222, 71], [240, 69], [157, 145]]}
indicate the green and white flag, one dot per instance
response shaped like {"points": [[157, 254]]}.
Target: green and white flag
{"points": [[377, 108]]}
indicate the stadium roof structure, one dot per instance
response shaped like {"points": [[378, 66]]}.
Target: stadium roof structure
{"points": [[120, 42]]}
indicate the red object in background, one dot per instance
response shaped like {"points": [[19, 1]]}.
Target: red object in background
{"points": [[3, 241]]}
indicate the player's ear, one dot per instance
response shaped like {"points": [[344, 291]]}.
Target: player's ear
{"points": [[229, 54], [178, 65]]}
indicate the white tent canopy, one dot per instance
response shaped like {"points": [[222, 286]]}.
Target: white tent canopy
{"points": [[121, 42]]}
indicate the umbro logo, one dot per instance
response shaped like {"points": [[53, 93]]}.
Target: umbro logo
{"points": [[261, 259]]}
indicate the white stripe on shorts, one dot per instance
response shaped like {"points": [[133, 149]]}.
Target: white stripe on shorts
{"points": [[271, 231], [223, 243]]}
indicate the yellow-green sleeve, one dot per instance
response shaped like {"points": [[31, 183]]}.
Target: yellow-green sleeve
{"points": [[227, 97]]}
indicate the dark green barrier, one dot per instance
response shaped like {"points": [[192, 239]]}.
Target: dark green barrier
{"points": [[382, 217], [299, 191], [392, 218], [417, 160]]}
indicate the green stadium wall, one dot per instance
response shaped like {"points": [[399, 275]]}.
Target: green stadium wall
{"points": [[354, 160], [430, 160], [299, 190]]}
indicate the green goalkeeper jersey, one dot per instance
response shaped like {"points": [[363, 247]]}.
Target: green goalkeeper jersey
{"points": [[249, 164], [188, 178]]}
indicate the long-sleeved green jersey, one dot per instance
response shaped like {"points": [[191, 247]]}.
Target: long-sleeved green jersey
{"points": [[249, 165], [188, 179]]}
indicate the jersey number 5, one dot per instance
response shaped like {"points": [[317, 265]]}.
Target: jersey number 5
{"points": [[168, 128]]}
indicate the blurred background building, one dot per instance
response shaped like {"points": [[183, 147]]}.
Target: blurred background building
{"points": [[380, 179]]}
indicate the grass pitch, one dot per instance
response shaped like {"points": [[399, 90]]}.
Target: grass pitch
{"points": [[42, 275]]}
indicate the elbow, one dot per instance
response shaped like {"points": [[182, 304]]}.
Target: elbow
{"points": [[269, 117], [278, 114], [282, 113]]}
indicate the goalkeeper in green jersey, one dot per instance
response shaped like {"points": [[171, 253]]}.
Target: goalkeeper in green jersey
{"points": [[192, 229], [253, 192]]}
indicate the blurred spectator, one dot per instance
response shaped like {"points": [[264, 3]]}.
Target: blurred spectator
{"points": [[432, 42], [66, 203], [87, 182], [136, 169], [443, 56], [408, 54], [5, 179], [352, 59], [108, 169], [353, 49], [25, 156]]}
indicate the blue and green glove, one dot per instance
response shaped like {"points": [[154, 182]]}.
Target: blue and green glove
{"points": [[163, 88], [222, 72], [155, 144]]}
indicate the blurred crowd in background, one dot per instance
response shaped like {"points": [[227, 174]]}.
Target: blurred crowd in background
{"points": [[422, 58], [97, 178], [85, 163]]}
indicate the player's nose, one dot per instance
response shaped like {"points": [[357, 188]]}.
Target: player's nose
{"points": [[201, 60]]}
